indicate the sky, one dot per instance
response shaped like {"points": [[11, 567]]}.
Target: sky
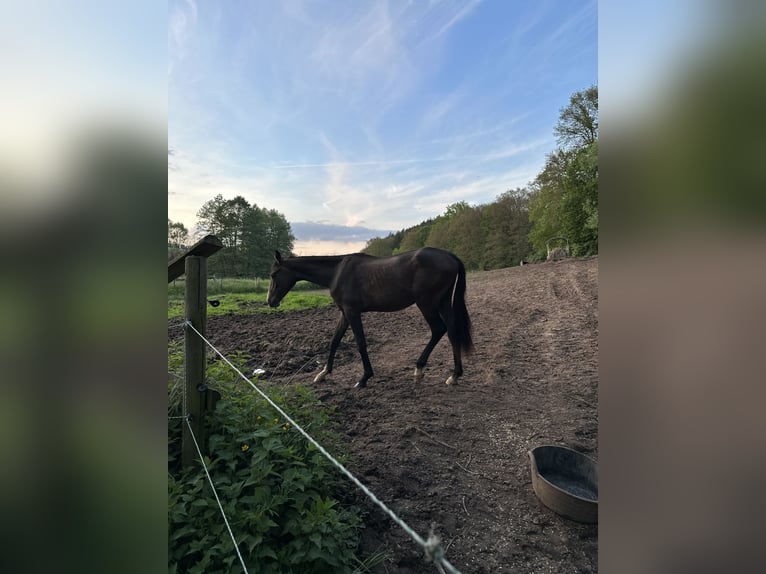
{"points": [[373, 115]]}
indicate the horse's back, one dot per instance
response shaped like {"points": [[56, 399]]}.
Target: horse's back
{"points": [[395, 282], [435, 258]]}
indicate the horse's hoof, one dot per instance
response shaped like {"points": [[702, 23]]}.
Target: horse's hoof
{"points": [[419, 375], [321, 376], [360, 385], [451, 381]]}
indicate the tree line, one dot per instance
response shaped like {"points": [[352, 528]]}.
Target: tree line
{"points": [[249, 234], [561, 201]]}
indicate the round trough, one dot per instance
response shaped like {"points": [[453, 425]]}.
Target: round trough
{"points": [[566, 481]]}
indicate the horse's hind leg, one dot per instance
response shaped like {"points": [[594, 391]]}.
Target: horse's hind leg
{"points": [[340, 330], [438, 328], [445, 311]]}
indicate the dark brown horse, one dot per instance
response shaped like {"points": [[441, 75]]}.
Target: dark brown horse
{"points": [[432, 279]]}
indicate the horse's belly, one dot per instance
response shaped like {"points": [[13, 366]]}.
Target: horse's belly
{"points": [[387, 306], [395, 300]]}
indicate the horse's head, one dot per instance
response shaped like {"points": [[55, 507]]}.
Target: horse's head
{"points": [[282, 280]]}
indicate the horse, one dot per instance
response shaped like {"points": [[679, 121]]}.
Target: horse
{"points": [[433, 279]]}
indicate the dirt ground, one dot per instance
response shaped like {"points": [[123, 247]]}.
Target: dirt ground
{"points": [[456, 456]]}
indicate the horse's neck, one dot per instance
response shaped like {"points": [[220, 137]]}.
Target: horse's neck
{"points": [[319, 270]]}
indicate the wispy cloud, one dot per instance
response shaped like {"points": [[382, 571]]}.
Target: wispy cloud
{"points": [[583, 17], [183, 19], [503, 151], [445, 15], [458, 16], [381, 112], [440, 110]]}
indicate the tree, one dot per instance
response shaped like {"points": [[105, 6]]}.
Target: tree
{"points": [[506, 227], [210, 219], [580, 201], [178, 235], [564, 198], [250, 235], [381, 246], [545, 204], [577, 126], [415, 237], [257, 258], [466, 236], [439, 235], [224, 219], [455, 209]]}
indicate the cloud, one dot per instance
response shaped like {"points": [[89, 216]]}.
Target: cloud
{"points": [[183, 19], [302, 248], [458, 16], [316, 231], [352, 118], [446, 15], [360, 57], [435, 115]]}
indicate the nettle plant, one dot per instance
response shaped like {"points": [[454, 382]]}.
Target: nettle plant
{"points": [[288, 507]]}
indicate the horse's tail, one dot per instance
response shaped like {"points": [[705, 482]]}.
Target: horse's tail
{"points": [[462, 322]]}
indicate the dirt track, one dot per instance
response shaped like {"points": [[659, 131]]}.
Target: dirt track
{"points": [[456, 456]]}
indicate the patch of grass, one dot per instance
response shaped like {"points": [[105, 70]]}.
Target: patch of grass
{"points": [[216, 286], [251, 303]]}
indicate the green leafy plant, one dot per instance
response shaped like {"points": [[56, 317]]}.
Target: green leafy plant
{"points": [[288, 507]]}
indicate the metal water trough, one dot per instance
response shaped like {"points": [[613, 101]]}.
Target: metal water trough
{"points": [[566, 481]]}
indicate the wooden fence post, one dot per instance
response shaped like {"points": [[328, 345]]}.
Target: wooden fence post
{"points": [[195, 356], [199, 399]]}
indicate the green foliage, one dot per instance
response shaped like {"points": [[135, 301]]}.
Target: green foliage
{"points": [[506, 225], [280, 495], [564, 199], [382, 247], [545, 208], [577, 126], [484, 237], [250, 235], [461, 231], [455, 209], [579, 220], [415, 237], [178, 235]]}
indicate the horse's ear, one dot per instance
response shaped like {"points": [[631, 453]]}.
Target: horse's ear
{"points": [[277, 257]]}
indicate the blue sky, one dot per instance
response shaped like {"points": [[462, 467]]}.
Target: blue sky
{"points": [[375, 113]]}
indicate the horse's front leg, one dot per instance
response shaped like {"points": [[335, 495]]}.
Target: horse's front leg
{"points": [[340, 330], [355, 320]]}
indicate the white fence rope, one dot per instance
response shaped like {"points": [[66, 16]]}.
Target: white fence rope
{"points": [[218, 500], [432, 546]]}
